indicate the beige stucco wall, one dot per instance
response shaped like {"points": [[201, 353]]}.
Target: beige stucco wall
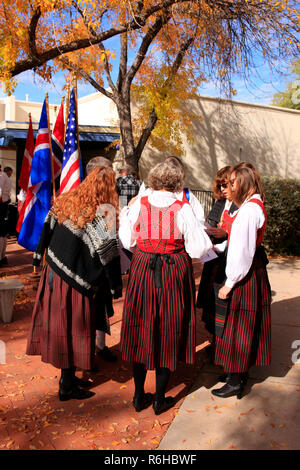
{"points": [[97, 110], [16, 110], [228, 132], [2, 111]]}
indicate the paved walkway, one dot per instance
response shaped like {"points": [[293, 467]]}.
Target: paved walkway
{"points": [[31, 416], [268, 417]]}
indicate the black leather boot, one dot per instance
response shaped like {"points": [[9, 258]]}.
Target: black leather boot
{"points": [[161, 406], [68, 388], [234, 386], [226, 378], [142, 402]]}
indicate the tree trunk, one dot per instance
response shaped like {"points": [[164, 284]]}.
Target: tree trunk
{"points": [[127, 141]]}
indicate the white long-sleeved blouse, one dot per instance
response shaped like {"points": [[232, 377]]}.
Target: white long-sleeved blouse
{"points": [[242, 244], [194, 202], [196, 241]]}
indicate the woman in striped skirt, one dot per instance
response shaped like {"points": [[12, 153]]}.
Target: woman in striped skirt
{"points": [[158, 326], [246, 338], [82, 257]]}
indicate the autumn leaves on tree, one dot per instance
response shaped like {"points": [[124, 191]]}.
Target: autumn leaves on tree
{"points": [[154, 53]]}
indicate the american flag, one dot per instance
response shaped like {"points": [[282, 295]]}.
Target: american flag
{"points": [[70, 173]]}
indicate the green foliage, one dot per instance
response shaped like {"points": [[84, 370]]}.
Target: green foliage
{"points": [[282, 201], [290, 98]]}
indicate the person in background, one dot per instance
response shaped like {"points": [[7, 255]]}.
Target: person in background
{"points": [[82, 258], [158, 325], [127, 185], [5, 193], [127, 188], [103, 298], [95, 162], [219, 219], [246, 336]]}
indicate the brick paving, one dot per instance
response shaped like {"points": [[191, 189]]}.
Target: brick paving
{"points": [[32, 417]]}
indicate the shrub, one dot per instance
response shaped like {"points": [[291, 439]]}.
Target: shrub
{"points": [[282, 201]]}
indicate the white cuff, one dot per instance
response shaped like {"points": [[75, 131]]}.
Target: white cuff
{"points": [[229, 283]]}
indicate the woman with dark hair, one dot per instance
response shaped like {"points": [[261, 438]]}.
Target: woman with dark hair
{"points": [[219, 219], [158, 327], [82, 256], [246, 337]]}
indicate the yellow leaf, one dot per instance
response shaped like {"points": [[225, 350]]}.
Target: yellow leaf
{"points": [[115, 443], [123, 386], [154, 441]]}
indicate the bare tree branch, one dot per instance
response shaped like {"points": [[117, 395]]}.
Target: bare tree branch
{"points": [[32, 33], [123, 61], [100, 45], [153, 116], [68, 64], [147, 41]]}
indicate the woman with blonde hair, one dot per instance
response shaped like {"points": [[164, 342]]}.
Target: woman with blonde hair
{"points": [[246, 336], [82, 254], [158, 326]]}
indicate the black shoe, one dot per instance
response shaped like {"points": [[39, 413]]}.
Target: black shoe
{"points": [[82, 383], [228, 391], [142, 402], [160, 407], [107, 354], [225, 378], [76, 393]]}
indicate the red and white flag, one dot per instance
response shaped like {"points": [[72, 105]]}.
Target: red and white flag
{"points": [[25, 173], [58, 145]]}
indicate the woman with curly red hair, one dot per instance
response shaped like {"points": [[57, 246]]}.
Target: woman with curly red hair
{"points": [[79, 235]]}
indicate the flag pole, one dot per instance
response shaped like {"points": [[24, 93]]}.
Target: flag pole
{"points": [[77, 123], [50, 145], [67, 106], [76, 107], [63, 103]]}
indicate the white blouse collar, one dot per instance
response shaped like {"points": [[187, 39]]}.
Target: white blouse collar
{"points": [[254, 196]]}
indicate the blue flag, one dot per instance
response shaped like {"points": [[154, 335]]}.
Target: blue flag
{"points": [[38, 198]]}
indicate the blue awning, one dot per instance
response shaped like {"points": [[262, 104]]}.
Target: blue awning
{"points": [[8, 136]]}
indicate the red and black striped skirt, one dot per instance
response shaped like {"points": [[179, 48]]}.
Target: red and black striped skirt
{"points": [[246, 339], [62, 328], [158, 326]]}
